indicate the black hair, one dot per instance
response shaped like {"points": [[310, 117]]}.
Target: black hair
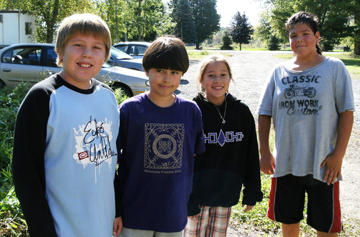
{"points": [[166, 53], [307, 19]]}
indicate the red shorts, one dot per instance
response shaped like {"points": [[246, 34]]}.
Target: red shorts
{"points": [[287, 199]]}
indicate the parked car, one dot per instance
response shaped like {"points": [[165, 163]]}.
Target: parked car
{"points": [[135, 49], [121, 59], [34, 62]]}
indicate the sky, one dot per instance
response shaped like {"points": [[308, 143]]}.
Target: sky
{"points": [[228, 8]]}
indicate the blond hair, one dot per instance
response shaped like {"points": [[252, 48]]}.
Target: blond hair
{"points": [[205, 62], [86, 24]]}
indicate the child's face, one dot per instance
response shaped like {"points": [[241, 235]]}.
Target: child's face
{"points": [[303, 40], [83, 57], [216, 80], [163, 82]]}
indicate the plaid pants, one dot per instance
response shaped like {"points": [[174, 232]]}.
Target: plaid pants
{"points": [[211, 222]]}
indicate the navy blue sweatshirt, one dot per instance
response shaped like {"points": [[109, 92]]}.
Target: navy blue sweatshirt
{"points": [[231, 159]]}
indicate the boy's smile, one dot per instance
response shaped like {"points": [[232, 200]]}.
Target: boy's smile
{"points": [[303, 40], [163, 83], [83, 57]]}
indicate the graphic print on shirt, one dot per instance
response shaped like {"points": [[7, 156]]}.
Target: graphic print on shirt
{"points": [[93, 143], [221, 138], [299, 98], [163, 147]]}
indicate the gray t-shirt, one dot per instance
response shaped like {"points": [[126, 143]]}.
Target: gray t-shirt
{"points": [[305, 107]]}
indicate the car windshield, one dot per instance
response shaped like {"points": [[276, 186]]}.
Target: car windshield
{"points": [[117, 53]]}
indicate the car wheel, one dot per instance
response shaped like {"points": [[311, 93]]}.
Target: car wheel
{"points": [[2, 84]]}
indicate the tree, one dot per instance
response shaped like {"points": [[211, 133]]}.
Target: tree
{"points": [[264, 29], [116, 13], [226, 42], [274, 43], [241, 30], [48, 13], [355, 11], [148, 18], [207, 20], [333, 17], [185, 23]]}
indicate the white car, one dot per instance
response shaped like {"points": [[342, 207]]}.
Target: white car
{"points": [[34, 62], [136, 49], [121, 59]]}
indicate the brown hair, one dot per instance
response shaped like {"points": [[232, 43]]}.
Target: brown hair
{"points": [[166, 53], [307, 19], [85, 24], [205, 62]]}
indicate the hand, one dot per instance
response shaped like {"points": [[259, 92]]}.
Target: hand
{"points": [[248, 208], [333, 165], [117, 226], [267, 163]]}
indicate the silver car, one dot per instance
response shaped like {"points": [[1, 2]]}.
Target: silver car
{"points": [[34, 62], [135, 49], [121, 59]]}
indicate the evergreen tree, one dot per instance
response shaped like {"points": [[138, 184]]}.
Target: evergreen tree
{"points": [[185, 25], [241, 30], [226, 42], [274, 43], [207, 20]]}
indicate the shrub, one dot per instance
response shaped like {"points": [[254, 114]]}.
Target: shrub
{"points": [[274, 43], [120, 95], [11, 218], [226, 42]]}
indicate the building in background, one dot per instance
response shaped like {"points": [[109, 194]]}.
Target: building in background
{"points": [[16, 27]]}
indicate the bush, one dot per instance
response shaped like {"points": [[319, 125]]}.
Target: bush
{"points": [[274, 43], [327, 46], [120, 95], [226, 42], [11, 217]]}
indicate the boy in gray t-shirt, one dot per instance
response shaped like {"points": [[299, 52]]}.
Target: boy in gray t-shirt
{"points": [[311, 102]]}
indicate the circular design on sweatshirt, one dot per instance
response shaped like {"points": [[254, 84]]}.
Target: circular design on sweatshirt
{"points": [[164, 146]]}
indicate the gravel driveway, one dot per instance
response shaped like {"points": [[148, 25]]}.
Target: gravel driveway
{"points": [[249, 70]]}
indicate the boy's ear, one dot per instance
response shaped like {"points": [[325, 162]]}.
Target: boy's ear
{"points": [[317, 35], [60, 55], [147, 73]]}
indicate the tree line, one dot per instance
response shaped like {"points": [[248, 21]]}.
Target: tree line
{"points": [[194, 21], [337, 20]]}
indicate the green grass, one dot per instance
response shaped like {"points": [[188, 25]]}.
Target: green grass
{"points": [[352, 63], [197, 55]]}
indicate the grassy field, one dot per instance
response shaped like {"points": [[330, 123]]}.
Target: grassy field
{"points": [[198, 55]]}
